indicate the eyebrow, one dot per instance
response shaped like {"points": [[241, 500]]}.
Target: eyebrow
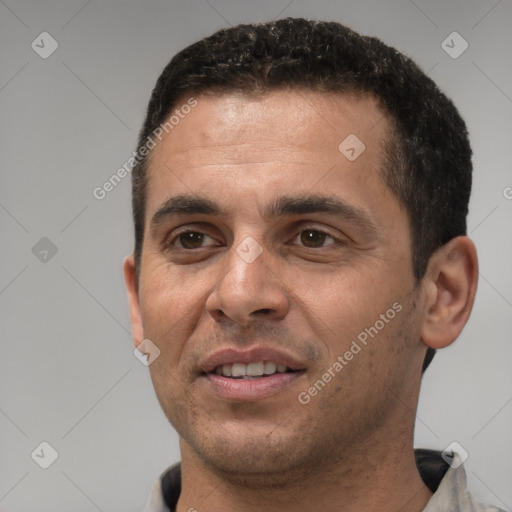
{"points": [[279, 207], [183, 205], [297, 205]]}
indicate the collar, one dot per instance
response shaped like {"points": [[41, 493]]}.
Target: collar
{"points": [[446, 481]]}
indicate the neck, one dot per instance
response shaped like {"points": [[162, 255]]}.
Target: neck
{"points": [[370, 479]]}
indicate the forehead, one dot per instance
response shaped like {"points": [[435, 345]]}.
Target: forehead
{"points": [[296, 116], [273, 143]]}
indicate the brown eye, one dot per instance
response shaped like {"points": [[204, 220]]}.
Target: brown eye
{"points": [[313, 238], [190, 240]]}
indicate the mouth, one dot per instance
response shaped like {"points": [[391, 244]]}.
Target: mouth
{"points": [[250, 375], [258, 370]]}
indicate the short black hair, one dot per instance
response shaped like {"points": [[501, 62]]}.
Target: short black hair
{"points": [[428, 156]]}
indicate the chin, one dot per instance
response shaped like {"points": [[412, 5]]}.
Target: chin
{"points": [[255, 467], [269, 454]]}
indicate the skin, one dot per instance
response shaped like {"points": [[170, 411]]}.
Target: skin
{"points": [[351, 447]]}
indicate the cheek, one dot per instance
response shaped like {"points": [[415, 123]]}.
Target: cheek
{"points": [[170, 310], [345, 303], [168, 293], [373, 361]]}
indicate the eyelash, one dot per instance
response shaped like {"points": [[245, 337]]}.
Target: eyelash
{"points": [[171, 244]]}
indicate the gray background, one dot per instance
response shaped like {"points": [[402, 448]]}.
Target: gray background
{"points": [[67, 371]]}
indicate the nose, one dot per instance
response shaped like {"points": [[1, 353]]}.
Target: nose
{"points": [[249, 288]]}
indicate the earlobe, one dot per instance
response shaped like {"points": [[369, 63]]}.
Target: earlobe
{"points": [[130, 279], [450, 287]]}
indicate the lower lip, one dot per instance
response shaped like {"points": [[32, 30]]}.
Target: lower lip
{"points": [[251, 389]]}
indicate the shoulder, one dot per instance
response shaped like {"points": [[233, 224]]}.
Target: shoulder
{"points": [[165, 491], [446, 478]]}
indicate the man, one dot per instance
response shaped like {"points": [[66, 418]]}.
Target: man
{"points": [[300, 208]]}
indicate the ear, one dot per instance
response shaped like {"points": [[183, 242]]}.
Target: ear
{"points": [[450, 283], [132, 287]]}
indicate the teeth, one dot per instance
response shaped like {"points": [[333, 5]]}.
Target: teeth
{"points": [[255, 369], [250, 370], [270, 368], [239, 370]]}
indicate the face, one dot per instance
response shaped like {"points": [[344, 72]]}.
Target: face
{"points": [[276, 281]]}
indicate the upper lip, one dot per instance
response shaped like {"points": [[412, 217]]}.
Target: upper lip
{"points": [[253, 355]]}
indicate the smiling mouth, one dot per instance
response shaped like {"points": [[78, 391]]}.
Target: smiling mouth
{"points": [[252, 371]]}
